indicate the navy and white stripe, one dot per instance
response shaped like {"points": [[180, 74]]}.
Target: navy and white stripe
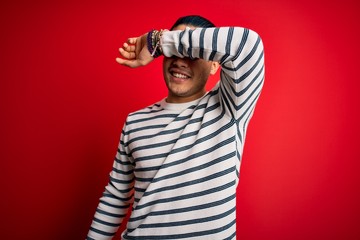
{"points": [[178, 164]]}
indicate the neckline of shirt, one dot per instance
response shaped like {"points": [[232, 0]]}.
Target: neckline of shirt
{"points": [[179, 106]]}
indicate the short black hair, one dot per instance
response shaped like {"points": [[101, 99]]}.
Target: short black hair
{"points": [[193, 20]]}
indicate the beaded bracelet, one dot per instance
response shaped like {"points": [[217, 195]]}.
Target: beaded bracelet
{"points": [[149, 41], [153, 43]]}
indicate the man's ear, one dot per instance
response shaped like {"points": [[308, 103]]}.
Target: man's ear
{"points": [[214, 67]]}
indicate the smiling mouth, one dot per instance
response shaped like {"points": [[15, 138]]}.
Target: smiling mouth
{"points": [[179, 75]]}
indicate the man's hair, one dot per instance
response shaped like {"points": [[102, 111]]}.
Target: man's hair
{"points": [[193, 20]]}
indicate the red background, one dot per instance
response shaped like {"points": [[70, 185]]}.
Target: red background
{"points": [[63, 100]]}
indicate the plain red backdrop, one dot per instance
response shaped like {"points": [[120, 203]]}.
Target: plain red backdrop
{"points": [[63, 100]]}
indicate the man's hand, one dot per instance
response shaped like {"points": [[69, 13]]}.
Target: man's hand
{"points": [[135, 52]]}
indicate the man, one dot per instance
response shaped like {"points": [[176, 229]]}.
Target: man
{"points": [[178, 160]]}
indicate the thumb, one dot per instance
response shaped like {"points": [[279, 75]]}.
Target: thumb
{"points": [[128, 63]]}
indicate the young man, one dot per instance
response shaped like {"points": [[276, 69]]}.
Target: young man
{"points": [[178, 160]]}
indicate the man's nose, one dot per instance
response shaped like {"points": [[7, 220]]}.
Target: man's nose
{"points": [[180, 62]]}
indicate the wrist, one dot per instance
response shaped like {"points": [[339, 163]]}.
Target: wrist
{"points": [[154, 42]]}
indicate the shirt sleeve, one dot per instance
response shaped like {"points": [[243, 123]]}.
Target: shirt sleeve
{"points": [[241, 56], [117, 197]]}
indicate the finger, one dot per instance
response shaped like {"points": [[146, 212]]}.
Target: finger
{"points": [[132, 40], [128, 48], [128, 63], [126, 54]]}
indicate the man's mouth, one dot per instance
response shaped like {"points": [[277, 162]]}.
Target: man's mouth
{"points": [[179, 75]]}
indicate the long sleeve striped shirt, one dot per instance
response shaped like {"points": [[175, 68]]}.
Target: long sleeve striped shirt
{"points": [[178, 165]]}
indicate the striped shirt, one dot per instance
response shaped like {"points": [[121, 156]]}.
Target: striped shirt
{"points": [[178, 165]]}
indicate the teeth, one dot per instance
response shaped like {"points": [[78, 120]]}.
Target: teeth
{"points": [[179, 75]]}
